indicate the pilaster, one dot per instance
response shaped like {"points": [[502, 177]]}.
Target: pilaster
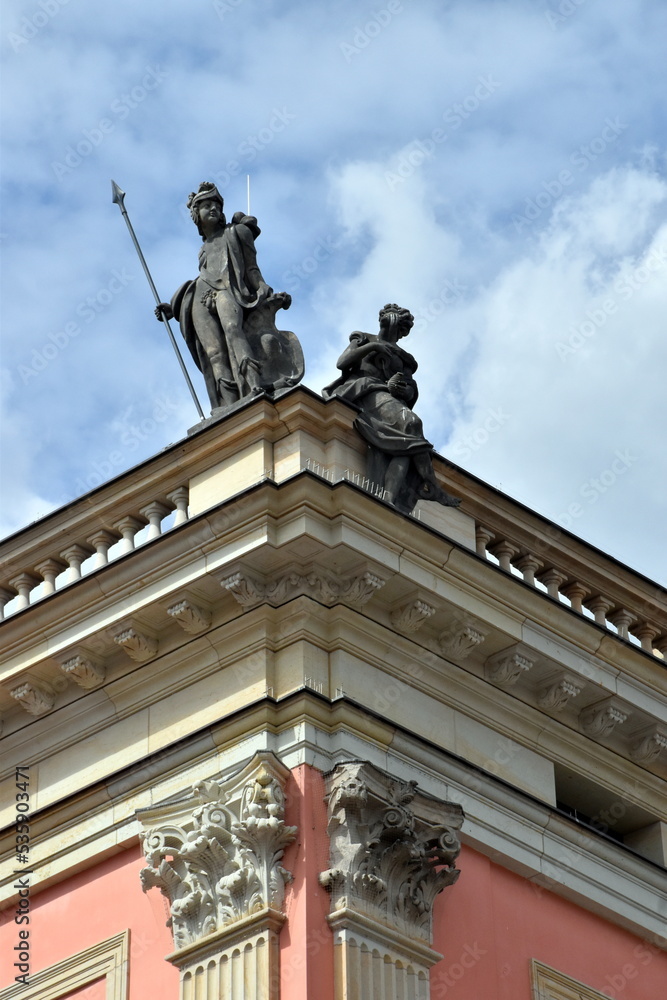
{"points": [[215, 855], [393, 849]]}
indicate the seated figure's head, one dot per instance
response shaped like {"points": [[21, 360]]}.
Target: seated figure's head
{"points": [[392, 315], [207, 192]]}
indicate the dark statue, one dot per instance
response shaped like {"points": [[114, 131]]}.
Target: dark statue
{"points": [[377, 378], [227, 314]]}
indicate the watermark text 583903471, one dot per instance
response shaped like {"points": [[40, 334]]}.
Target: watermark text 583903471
{"points": [[21, 949]]}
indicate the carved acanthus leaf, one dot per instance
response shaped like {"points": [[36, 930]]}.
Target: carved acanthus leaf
{"points": [[600, 720], [410, 617], [35, 698], [390, 856], [460, 639], [555, 696], [651, 743], [138, 646], [246, 589], [189, 616], [223, 863], [508, 666], [84, 669]]}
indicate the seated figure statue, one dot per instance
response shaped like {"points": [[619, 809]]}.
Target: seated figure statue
{"points": [[227, 313], [377, 378]]}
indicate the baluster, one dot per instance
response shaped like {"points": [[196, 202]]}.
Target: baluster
{"points": [[599, 605], [49, 570], [528, 565], [483, 537], [646, 633], [75, 555], [6, 595], [154, 513], [661, 645], [179, 497], [553, 580], [24, 583], [575, 593], [128, 527], [622, 619], [504, 552], [102, 541]]}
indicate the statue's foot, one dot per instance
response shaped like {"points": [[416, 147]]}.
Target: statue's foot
{"points": [[431, 491]]}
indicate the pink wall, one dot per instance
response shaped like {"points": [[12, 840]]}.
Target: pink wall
{"points": [[488, 926], [306, 942], [94, 905], [491, 923]]}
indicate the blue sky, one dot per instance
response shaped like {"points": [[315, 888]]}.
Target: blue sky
{"points": [[497, 166]]}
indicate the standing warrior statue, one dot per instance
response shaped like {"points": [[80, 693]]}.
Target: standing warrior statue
{"points": [[227, 313], [377, 379]]}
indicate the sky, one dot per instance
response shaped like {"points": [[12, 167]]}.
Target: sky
{"points": [[499, 167]]}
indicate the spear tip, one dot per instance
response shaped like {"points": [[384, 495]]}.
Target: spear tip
{"points": [[117, 195]]}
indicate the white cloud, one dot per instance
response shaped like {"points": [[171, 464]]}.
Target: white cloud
{"points": [[492, 298]]}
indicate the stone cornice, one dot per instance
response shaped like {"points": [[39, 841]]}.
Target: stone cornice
{"points": [[501, 822]]}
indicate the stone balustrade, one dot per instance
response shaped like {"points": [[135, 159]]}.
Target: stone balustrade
{"points": [[636, 618], [302, 433], [53, 563]]}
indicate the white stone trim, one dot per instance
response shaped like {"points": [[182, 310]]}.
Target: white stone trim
{"points": [[507, 826], [108, 958], [549, 984]]}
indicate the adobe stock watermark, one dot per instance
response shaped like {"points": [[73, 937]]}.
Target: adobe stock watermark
{"points": [[249, 149], [134, 435], [442, 981], [451, 291], [565, 10], [625, 286], [476, 439], [297, 273], [453, 117], [581, 159], [598, 485], [225, 7], [615, 982], [32, 24], [364, 34], [87, 310], [121, 107]]}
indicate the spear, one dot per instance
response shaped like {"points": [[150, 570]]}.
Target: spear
{"points": [[118, 196]]}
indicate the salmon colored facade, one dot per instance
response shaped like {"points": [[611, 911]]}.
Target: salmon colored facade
{"points": [[291, 744], [489, 927]]}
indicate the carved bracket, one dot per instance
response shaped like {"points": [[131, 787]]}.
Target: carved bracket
{"points": [[393, 849], [216, 855], [461, 638], [326, 588], [410, 617], [649, 744], [601, 719], [84, 669], [508, 666], [555, 696], [189, 616], [36, 699], [138, 645]]}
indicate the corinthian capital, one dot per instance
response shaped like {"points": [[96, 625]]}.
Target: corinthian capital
{"points": [[215, 854], [393, 849]]}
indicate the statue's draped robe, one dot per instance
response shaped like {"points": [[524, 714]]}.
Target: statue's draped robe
{"points": [[384, 421]]}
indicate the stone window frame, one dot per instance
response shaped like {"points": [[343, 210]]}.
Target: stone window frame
{"points": [[549, 984], [108, 959]]}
